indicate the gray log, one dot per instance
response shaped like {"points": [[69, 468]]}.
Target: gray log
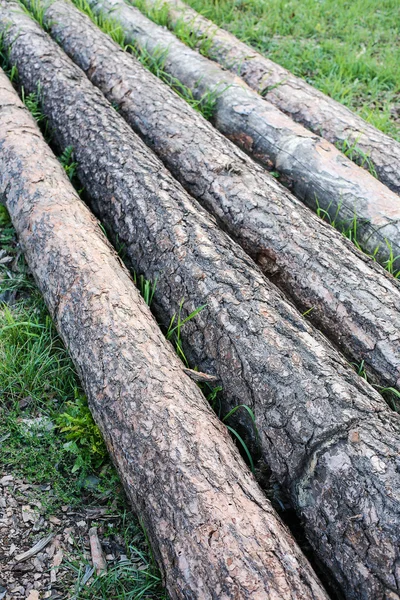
{"points": [[294, 96], [213, 532], [314, 168], [326, 434], [352, 300]]}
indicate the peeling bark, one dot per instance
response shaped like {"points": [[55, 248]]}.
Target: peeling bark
{"points": [[213, 532], [294, 96], [314, 168], [352, 300], [326, 434]]}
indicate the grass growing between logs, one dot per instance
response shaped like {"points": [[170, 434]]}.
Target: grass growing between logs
{"points": [[47, 434], [350, 51], [391, 395], [350, 231], [153, 62]]}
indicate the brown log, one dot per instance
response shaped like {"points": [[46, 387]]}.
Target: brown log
{"points": [[327, 435], [294, 96], [352, 300], [316, 171], [213, 532]]}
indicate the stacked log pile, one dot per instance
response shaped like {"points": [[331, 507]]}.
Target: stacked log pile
{"points": [[213, 532], [310, 261], [326, 435]]}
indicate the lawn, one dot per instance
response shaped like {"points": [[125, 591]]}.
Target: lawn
{"points": [[349, 50]]}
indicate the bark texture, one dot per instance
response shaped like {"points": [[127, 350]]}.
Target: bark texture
{"points": [[326, 434], [213, 532], [352, 299], [314, 168], [302, 102]]}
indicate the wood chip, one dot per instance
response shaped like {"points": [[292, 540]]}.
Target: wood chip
{"points": [[28, 514], [6, 260], [51, 550], [6, 480], [12, 549], [57, 560], [81, 524]]}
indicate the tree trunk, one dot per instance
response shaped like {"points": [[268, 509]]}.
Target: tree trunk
{"points": [[327, 435], [352, 300], [213, 532], [316, 171], [302, 102]]}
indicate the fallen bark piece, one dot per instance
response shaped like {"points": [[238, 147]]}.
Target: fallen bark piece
{"points": [[200, 377], [38, 547], [318, 173], [213, 532], [294, 96], [350, 298], [98, 560], [328, 437]]}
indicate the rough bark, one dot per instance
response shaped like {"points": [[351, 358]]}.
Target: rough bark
{"points": [[213, 532], [313, 167], [326, 434], [294, 96], [352, 299]]}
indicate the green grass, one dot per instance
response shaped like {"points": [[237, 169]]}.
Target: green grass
{"points": [[348, 50], [67, 161], [121, 582], [174, 331], [146, 288]]}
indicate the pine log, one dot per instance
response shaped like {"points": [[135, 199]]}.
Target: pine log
{"points": [[294, 96], [212, 531], [351, 298], [328, 437], [317, 172]]}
